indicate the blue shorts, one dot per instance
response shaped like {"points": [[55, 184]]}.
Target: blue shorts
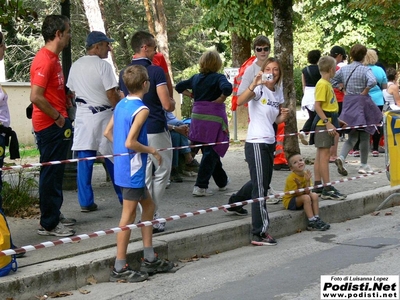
{"points": [[132, 194], [292, 205]]}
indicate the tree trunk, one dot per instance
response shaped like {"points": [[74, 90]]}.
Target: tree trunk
{"points": [[149, 17], [241, 51], [283, 41], [122, 34], [96, 22], [158, 20]]}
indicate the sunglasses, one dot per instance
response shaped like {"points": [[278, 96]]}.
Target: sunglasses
{"points": [[266, 49]]}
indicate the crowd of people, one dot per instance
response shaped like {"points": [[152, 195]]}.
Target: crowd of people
{"points": [[134, 115]]}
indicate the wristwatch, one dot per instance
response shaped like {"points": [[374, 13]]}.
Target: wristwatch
{"points": [[173, 127], [325, 120]]}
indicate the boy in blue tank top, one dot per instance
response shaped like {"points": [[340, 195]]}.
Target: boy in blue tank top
{"points": [[127, 131]]}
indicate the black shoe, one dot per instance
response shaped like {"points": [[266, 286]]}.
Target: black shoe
{"points": [[281, 167], [90, 208], [127, 275], [240, 211], [157, 266], [175, 177]]}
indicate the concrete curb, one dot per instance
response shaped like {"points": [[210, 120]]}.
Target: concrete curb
{"points": [[74, 272]]}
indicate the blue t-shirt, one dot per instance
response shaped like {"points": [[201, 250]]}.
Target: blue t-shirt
{"points": [[129, 170], [156, 121], [206, 87], [376, 92]]}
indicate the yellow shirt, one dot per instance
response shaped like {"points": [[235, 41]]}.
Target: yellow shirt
{"points": [[324, 94], [291, 185]]}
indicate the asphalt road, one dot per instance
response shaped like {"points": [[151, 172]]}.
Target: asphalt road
{"points": [[368, 245]]}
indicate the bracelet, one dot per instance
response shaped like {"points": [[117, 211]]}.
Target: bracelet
{"points": [[251, 90], [59, 115]]}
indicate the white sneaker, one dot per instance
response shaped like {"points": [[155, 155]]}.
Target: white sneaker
{"points": [[200, 192], [60, 230], [365, 170], [273, 200], [224, 188], [159, 227], [302, 137]]}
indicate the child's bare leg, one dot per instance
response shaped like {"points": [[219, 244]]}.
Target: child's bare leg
{"points": [[147, 215], [305, 201], [324, 164], [315, 204], [127, 217]]}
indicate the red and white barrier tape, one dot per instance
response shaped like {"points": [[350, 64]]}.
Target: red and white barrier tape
{"points": [[66, 161], [82, 237]]}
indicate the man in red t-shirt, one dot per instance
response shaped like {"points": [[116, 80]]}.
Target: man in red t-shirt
{"points": [[50, 122]]}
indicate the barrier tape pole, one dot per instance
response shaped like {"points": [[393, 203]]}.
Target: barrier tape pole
{"points": [[95, 234]]}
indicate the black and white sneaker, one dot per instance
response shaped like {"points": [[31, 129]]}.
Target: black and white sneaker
{"points": [[239, 211], [157, 266], [128, 275]]}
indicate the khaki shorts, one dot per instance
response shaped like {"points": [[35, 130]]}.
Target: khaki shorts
{"points": [[323, 139]]}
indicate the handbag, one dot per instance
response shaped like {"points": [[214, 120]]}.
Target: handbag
{"points": [[29, 111]]}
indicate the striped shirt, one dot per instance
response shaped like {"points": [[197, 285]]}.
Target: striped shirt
{"points": [[360, 77]]}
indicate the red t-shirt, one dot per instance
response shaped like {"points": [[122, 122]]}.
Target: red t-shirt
{"points": [[339, 94], [159, 60], [46, 72]]}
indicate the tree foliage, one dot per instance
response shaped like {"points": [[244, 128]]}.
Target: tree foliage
{"points": [[370, 22]]}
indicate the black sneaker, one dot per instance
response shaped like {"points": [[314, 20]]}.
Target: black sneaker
{"points": [[240, 211], [331, 195], [157, 266], [89, 208], [326, 225], [263, 241], [340, 166], [318, 190], [175, 176], [315, 225], [128, 275], [343, 196]]}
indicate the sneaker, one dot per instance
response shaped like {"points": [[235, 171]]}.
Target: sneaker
{"points": [[263, 241], [158, 227], [281, 167], [157, 266], [168, 184], [315, 226], [330, 195], [89, 208], [200, 192], [271, 192], [224, 188], [318, 190], [340, 166], [239, 211], [60, 230], [323, 223], [342, 139], [356, 153], [302, 137], [175, 177], [193, 164], [67, 221], [381, 149], [128, 275], [365, 170], [375, 153], [343, 196]]}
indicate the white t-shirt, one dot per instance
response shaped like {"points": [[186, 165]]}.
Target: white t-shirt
{"points": [[4, 111], [90, 77], [263, 110], [248, 76]]}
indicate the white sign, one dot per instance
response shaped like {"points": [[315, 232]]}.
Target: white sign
{"points": [[231, 73]]}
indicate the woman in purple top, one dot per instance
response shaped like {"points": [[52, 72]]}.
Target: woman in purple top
{"points": [[209, 122]]}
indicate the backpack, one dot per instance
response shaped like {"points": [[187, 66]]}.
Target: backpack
{"points": [[7, 263]]}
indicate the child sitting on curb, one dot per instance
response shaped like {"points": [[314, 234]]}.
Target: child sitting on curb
{"points": [[301, 178]]}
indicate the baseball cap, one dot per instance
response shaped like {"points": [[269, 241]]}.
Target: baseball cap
{"points": [[96, 37], [336, 50]]}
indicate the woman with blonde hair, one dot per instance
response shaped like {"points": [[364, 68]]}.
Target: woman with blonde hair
{"points": [[370, 60], [209, 123]]}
